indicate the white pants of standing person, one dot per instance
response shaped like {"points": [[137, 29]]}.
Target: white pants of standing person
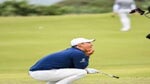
{"points": [[58, 76], [124, 18]]}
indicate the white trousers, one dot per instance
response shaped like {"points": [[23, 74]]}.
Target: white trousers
{"points": [[124, 18], [58, 76]]}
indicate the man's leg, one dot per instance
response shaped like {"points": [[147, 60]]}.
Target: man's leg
{"points": [[63, 76], [51, 82], [73, 74]]}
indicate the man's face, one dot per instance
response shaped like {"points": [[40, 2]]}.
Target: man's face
{"points": [[88, 46]]}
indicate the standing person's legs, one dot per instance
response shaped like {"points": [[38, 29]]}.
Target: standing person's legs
{"points": [[124, 18], [125, 21], [62, 76]]}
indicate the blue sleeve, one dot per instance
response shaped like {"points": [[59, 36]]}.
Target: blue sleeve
{"points": [[80, 60]]}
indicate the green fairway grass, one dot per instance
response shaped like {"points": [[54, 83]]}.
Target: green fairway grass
{"points": [[24, 40]]}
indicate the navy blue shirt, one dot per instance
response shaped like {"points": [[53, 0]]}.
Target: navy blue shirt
{"points": [[69, 58]]}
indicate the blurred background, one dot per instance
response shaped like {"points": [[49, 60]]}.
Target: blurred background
{"points": [[31, 29], [59, 7]]}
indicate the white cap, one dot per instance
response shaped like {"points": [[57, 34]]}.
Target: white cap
{"points": [[77, 41]]}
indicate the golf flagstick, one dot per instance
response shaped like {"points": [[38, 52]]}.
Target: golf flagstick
{"points": [[109, 75]]}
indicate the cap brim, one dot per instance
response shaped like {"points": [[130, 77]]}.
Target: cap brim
{"points": [[92, 40]]}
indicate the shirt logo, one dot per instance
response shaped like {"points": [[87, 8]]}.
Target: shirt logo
{"points": [[83, 60]]}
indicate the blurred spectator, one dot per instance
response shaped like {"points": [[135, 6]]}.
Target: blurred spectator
{"points": [[122, 8]]}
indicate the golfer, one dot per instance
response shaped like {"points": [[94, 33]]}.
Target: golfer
{"points": [[122, 8], [65, 66]]}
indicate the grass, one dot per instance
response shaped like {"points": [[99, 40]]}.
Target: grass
{"points": [[23, 40]]}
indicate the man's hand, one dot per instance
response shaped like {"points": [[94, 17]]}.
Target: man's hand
{"points": [[89, 52], [91, 70]]}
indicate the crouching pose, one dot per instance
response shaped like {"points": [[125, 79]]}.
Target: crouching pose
{"points": [[65, 66]]}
